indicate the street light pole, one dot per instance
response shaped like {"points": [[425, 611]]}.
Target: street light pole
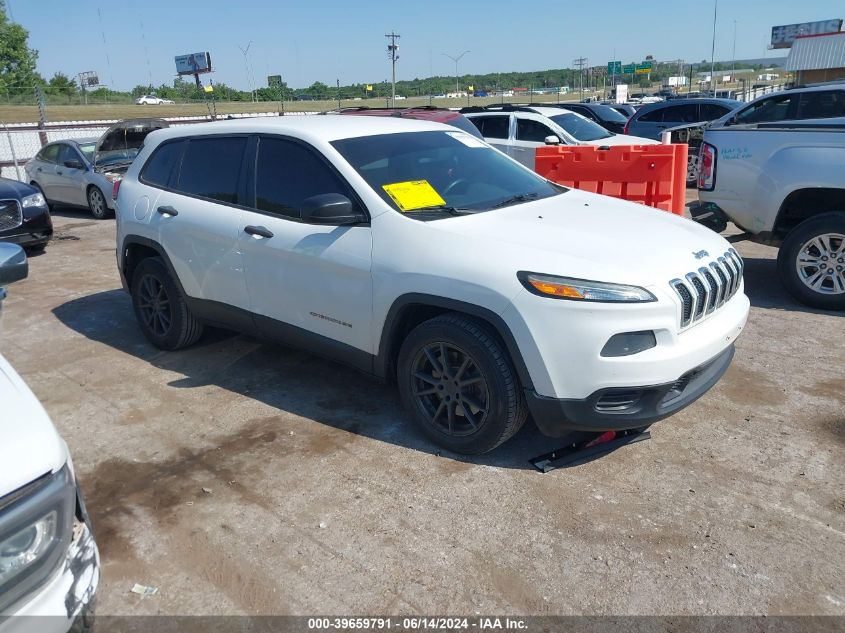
{"points": [[456, 60]]}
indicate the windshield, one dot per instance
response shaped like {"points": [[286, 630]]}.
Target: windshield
{"points": [[425, 171], [606, 113], [87, 150], [580, 128]]}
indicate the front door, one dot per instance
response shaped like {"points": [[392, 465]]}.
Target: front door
{"points": [[316, 278], [530, 134], [70, 183]]}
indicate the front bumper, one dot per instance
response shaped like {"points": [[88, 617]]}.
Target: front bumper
{"points": [[622, 408], [68, 597], [36, 229]]}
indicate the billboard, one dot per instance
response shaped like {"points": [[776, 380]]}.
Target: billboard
{"points": [[193, 63], [274, 81], [784, 36]]}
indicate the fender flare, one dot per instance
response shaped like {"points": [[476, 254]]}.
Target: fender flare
{"points": [[383, 365]]}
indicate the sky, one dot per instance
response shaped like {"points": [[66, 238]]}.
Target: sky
{"points": [[132, 42]]}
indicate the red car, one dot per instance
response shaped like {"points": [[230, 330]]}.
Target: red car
{"points": [[423, 113]]}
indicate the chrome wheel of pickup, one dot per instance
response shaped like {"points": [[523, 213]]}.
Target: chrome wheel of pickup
{"points": [[821, 263]]}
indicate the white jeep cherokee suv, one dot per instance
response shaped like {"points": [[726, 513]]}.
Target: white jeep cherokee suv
{"points": [[418, 253]]}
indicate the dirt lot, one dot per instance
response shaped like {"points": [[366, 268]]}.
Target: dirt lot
{"points": [[241, 477]]}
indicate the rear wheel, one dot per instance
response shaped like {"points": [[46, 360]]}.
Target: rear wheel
{"points": [[459, 386], [160, 307], [811, 261], [97, 203]]}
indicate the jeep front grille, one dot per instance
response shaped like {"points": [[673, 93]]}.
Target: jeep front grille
{"points": [[10, 215], [707, 289]]}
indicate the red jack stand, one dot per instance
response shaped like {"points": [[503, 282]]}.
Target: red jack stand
{"points": [[584, 451]]}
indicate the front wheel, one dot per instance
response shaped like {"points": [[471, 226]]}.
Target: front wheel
{"points": [[459, 386], [97, 203], [811, 261]]}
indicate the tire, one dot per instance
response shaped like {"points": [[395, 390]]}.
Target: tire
{"points": [[811, 261], [97, 203], [160, 307], [35, 248], [472, 418]]}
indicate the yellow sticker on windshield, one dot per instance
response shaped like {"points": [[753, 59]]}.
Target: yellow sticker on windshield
{"points": [[413, 194]]}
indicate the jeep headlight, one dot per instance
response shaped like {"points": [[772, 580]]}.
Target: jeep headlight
{"points": [[36, 524], [583, 289]]}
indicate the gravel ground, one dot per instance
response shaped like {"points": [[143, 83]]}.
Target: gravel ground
{"points": [[241, 477]]}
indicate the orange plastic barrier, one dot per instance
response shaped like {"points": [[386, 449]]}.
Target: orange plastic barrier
{"points": [[655, 175]]}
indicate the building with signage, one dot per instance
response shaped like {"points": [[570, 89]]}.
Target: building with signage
{"points": [[817, 58]]}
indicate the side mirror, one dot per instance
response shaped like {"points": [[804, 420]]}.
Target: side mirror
{"points": [[551, 140], [74, 164], [13, 264], [330, 208]]}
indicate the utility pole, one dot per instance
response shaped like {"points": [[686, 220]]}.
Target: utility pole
{"points": [[456, 60], [713, 52], [733, 63], [392, 49], [337, 82], [579, 63]]}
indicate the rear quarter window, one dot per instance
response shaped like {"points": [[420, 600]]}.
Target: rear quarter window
{"points": [[161, 167], [655, 116]]}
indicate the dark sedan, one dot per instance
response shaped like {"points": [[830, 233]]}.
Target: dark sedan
{"points": [[605, 116], [24, 216]]}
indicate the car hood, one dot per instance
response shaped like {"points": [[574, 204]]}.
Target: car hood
{"points": [[623, 139], [15, 188], [588, 236], [122, 141], [29, 444]]}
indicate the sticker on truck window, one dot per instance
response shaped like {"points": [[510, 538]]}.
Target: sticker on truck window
{"points": [[413, 194]]}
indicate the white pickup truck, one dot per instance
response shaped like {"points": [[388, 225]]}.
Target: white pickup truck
{"points": [[783, 183]]}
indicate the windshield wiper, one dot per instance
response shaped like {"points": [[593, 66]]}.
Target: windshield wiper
{"points": [[523, 197], [445, 208]]}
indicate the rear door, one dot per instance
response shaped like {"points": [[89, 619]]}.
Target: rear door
{"points": [[198, 214], [314, 277], [44, 171], [531, 133]]}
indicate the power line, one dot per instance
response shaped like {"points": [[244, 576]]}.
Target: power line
{"points": [[392, 54]]}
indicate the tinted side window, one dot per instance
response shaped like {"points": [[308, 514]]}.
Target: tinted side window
{"points": [[493, 126], [655, 116], [821, 105], [768, 110], [287, 173], [528, 130], [49, 154], [681, 114], [211, 168], [711, 111], [162, 164]]}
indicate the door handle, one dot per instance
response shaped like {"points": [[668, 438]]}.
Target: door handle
{"points": [[167, 210], [58, 172], [40, 169], [258, 231]]}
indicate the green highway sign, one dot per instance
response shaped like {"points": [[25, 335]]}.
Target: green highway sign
{"points": [[629, 69], [614, 68]]}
